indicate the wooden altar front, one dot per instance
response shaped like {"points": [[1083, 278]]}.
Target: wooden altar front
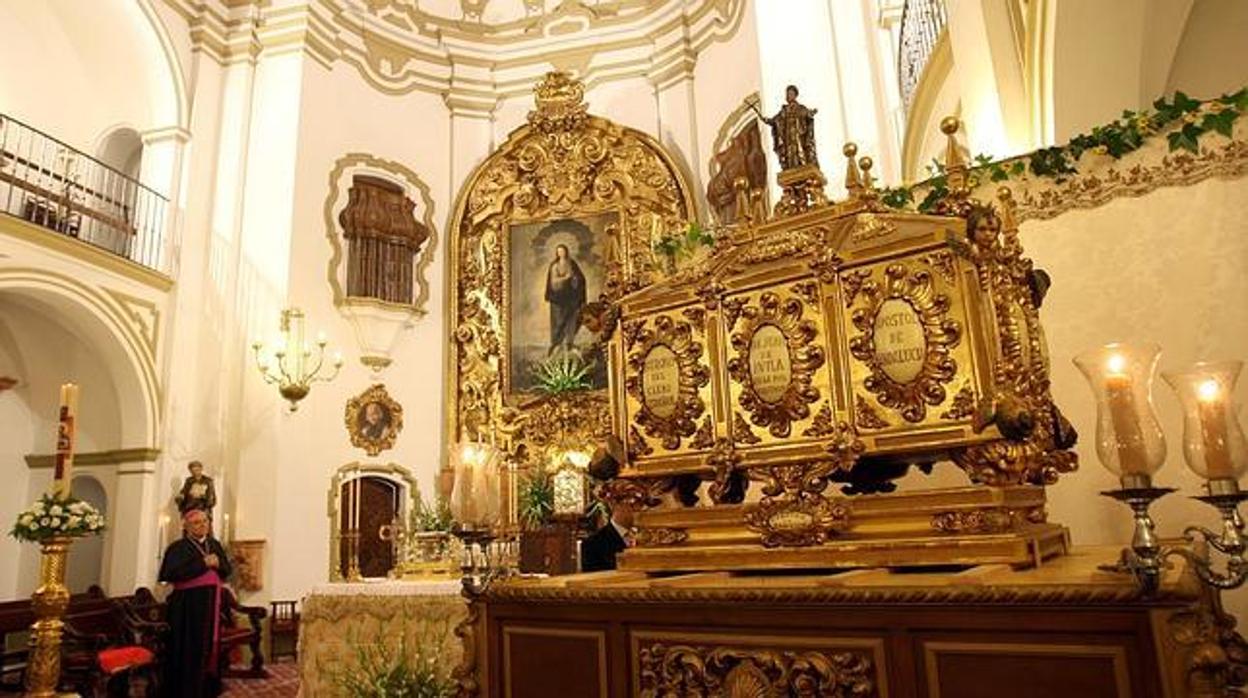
{"points": [[1063, 630]]}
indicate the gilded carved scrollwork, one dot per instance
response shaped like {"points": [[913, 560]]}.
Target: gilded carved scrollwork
{"points": [[774, 342], [752, 672], [986, 520], [565, 163], [1038, 437], [793, 510], [912, 298], [669, 401], [639, 493]]}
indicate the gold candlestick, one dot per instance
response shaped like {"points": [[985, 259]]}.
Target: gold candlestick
{"points": [[49, 602]]}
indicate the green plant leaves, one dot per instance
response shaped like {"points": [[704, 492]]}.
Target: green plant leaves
{"points": [[686, 242], [562, 373], [1189, 118], [535, 498]]}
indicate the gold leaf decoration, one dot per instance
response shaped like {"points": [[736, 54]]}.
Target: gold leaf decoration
{"points": [[692, 374], [564, 163], [805, 357], [941, 334], [741, 431], [963, 405], [865, 415]]}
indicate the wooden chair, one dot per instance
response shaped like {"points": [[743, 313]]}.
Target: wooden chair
{"points": [[235, 635], [284, 624]]}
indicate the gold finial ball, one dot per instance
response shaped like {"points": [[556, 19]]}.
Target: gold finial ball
{"points": [[850, 150], [866, 162], [949, 125], [1005, 194]]}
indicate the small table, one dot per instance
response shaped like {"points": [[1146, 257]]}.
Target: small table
{"points": [[341, 621]]}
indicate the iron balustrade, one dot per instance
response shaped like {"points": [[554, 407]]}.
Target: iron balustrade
{"points": [[922, 23], [48, 183]]}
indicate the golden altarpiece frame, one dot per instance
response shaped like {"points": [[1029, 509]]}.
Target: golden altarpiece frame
{"points": [[563, 164], [840, 345]]}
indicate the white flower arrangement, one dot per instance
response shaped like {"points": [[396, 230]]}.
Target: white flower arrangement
{"points": [[52, 516]]}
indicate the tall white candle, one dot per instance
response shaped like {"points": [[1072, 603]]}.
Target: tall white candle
{"points": [[66, 436]]}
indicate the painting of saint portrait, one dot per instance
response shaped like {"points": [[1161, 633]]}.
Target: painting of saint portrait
{"points": [[373, 420], [556, 268]]}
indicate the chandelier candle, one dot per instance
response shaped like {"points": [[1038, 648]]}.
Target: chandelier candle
{"points": [[65, 439]]}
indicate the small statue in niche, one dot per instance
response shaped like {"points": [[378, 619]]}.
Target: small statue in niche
{"points": [[197, 491], [793, 132]]}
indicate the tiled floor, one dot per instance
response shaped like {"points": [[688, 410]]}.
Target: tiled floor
{"points": [[283, 682]]}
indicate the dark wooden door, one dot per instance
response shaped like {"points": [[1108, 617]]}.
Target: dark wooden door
{"points": [[379, 502]]}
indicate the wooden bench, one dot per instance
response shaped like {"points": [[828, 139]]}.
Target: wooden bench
{"points": [[94, 624]]}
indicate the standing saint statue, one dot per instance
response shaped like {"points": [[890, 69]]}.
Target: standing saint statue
{"points": [[793, 132], [565, 291], [197, 491]]}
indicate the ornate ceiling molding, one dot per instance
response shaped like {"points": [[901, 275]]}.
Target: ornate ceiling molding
{"points": [[400, 48]]}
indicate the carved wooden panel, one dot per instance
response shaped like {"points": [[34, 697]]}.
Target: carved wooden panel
{"points": [[750, 666]]}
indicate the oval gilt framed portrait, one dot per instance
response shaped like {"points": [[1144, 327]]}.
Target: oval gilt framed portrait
{"points": [[374, 420]]}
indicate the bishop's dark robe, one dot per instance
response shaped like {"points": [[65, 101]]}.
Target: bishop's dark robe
{"points": [[188, 671], [599, 550]]}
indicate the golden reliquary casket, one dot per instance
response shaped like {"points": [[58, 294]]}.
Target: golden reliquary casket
{"points": [[767, 397]]}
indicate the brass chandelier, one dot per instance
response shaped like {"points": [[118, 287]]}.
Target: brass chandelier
{"points": [[295, 367]]}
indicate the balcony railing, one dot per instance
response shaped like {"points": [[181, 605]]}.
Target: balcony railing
{"points": [[922, 23], [50, 184]]}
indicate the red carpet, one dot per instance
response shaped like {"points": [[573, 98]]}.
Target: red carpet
{"points": [[283, 682]]}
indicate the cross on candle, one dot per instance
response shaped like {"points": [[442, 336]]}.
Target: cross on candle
{"points": [[65, 440]]}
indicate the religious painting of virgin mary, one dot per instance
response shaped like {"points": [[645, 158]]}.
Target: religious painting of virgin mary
{"points": [[555, 268]]}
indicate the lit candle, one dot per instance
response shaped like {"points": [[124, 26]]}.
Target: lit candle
{"points": [[1126, 421], [65, 438], [1213, 431]]}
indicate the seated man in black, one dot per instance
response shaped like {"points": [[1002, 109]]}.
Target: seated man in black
{"points": [[599, 550]]}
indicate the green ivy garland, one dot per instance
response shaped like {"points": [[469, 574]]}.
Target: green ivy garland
{"points": [[1183, 119]]}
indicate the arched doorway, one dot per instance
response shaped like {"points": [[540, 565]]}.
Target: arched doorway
{"points": [[380, 501], [386, 492], [86, 559]]}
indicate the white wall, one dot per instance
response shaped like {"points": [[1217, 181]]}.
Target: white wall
{"points": [[109, 69]]}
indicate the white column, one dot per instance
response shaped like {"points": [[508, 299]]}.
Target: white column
{"points": [[135, 545], [161, 171], [868, 87], [796, 47], [678, 129], [472, 139], [987, 63]]}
